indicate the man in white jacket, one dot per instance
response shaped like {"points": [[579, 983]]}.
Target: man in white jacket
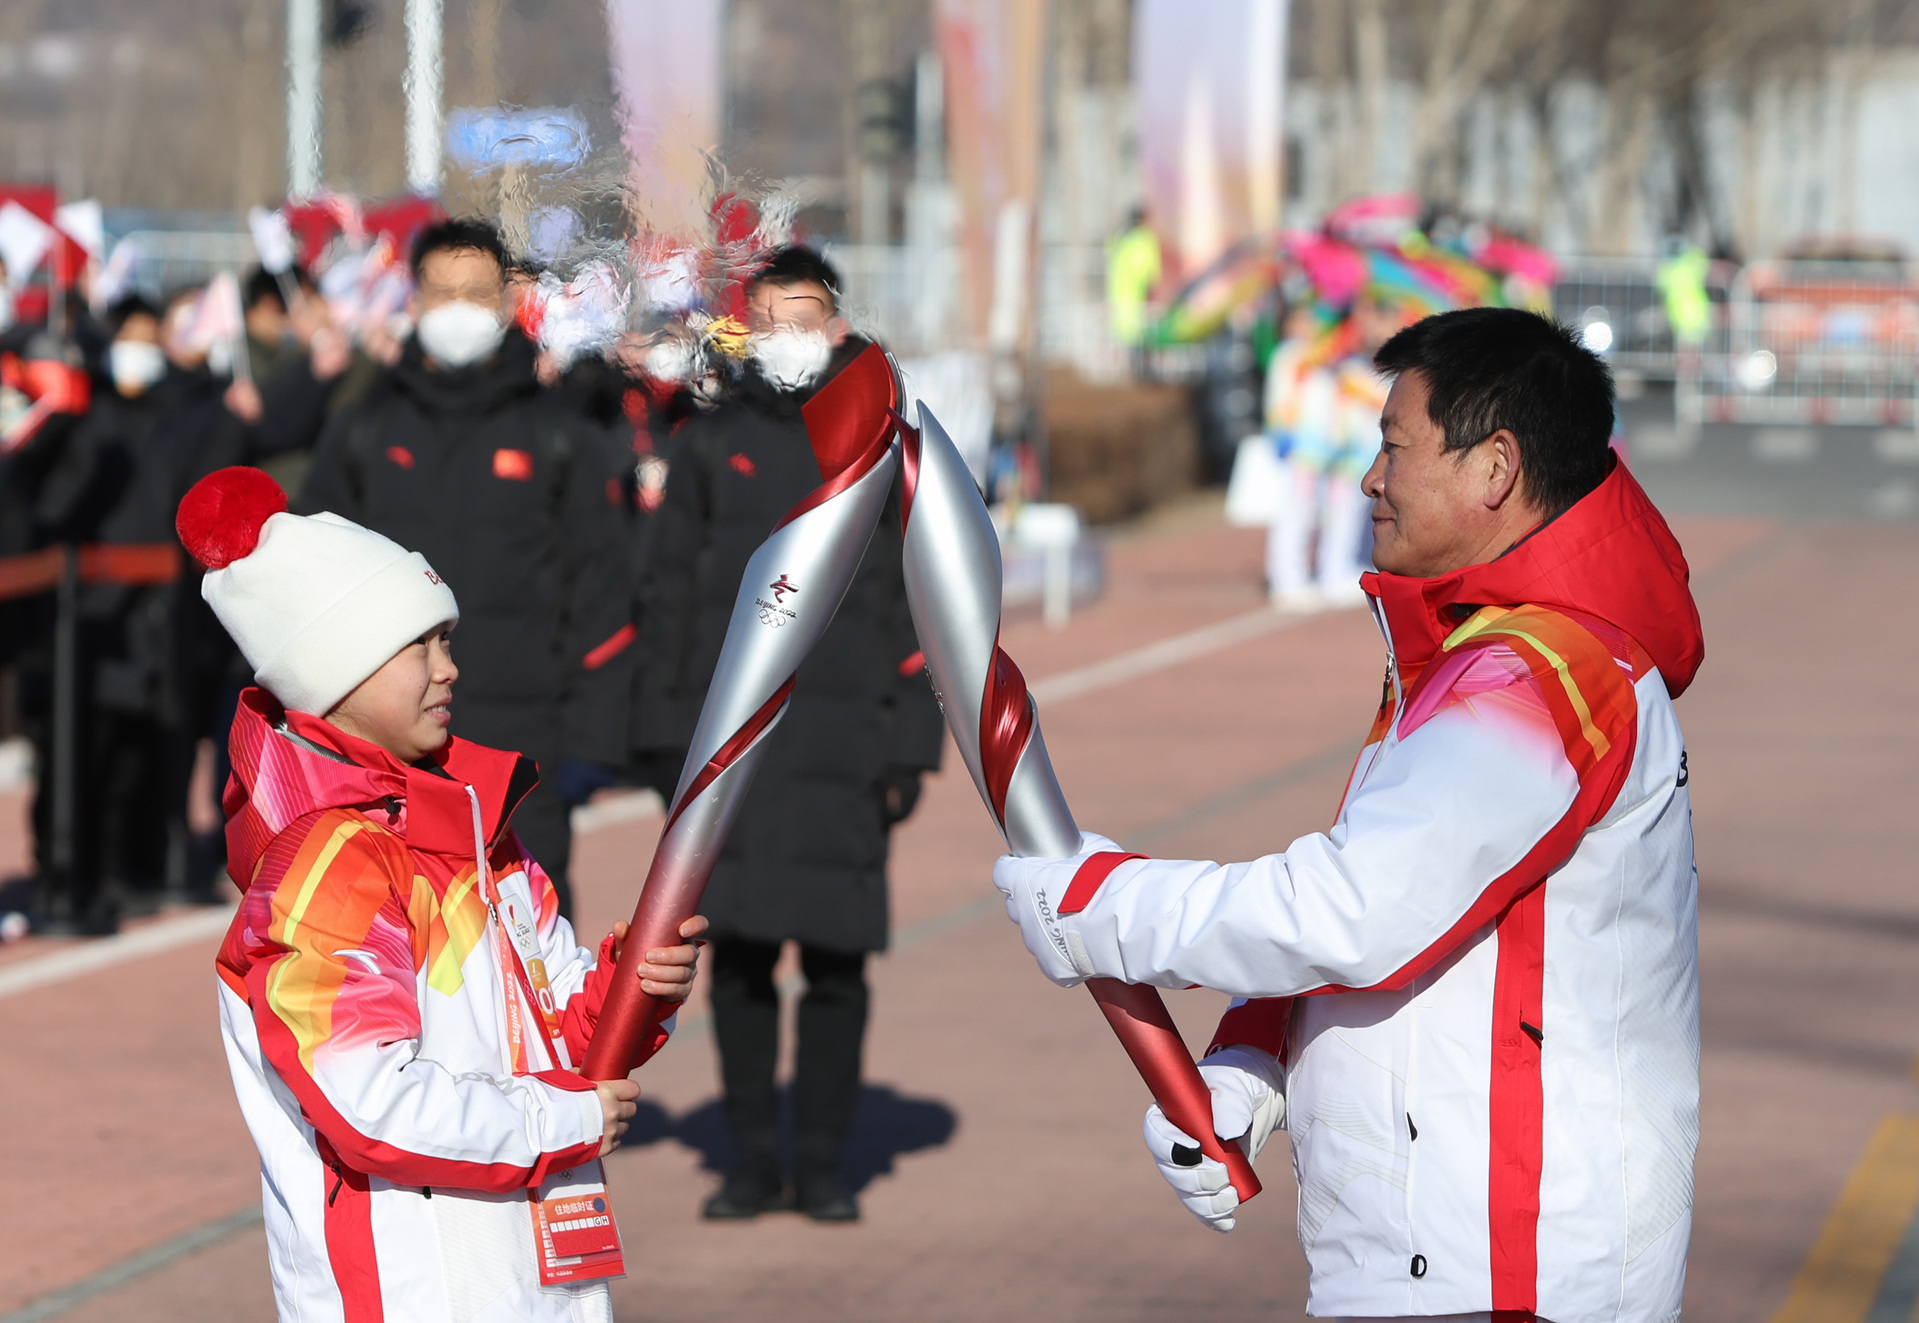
{"points": [[1477, 994]]}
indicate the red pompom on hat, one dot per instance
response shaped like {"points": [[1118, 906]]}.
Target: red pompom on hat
{"points": [[221, 517]]}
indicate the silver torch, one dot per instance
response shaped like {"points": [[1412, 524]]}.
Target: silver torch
{"points": [[953, 584], [792, 586]]}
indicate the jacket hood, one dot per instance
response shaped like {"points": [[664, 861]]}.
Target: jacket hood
{"points": [[287, 765], [474, 389], [1610, 556]]}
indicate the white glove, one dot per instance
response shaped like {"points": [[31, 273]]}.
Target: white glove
{"points": [[1249, 1103], [1033, 888]]}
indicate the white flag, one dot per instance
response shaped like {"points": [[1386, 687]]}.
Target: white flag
{"points": [[24, 240]]}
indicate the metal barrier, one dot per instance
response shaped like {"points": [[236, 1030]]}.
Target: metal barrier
{"points": [[1809, 343], [1622, 295], [165, 260]]}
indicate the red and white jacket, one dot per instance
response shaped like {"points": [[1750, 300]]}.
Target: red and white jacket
{"points": [[400, 1085], [1484, 977]]}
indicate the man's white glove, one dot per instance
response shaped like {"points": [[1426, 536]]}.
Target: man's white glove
{"points": [[1249, 1103], [1033, 888]]}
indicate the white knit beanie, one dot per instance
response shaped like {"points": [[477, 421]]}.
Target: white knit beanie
{"points": [[316, 603]]}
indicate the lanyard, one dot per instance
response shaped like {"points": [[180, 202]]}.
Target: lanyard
{"points": [[509, 954]]}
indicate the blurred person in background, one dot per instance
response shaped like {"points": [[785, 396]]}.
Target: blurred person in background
{"points": [[1300, 400], [1346, 535], [1132, 269], [36, 370], [151, 657], [806, 858], [460, 454], [304, 371], [666, 387], [1334, 439], [1681, 280]]}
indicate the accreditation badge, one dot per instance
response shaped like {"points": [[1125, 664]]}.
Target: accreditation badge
{"points": [[573, 1228]]}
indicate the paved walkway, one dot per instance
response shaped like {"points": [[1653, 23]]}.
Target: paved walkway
{"points": [[999, 1151]]}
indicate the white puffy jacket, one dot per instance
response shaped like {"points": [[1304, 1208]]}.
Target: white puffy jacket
{"points": [[1484, 977]]}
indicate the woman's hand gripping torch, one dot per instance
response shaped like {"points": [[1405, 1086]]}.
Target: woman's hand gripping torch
{"points": [[953, 585], [792, 587]]}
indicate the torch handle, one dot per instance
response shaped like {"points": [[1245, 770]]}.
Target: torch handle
{"points": [[630, 1011], [1151, 1039]]}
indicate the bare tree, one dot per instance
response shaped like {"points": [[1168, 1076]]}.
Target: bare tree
{"points": [[1614, 95], [1464, 42]]}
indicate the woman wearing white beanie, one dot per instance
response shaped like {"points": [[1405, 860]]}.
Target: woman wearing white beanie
{"points": [[401, 1002]]}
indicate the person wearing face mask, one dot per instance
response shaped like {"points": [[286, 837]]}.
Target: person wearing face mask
{"points": [[304, 371], [151, 657], [521, 504], [663, 375], [805, 860]]}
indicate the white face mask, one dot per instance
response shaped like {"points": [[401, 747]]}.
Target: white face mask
{"points": [[671, 360], [790, 358], [460, 334], [135, 365]]}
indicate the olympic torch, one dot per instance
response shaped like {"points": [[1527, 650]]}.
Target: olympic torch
{"points": [[953, 584], [792, 587]]}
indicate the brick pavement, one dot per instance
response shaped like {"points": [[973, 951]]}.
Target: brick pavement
{"points": [[999, 1137]]}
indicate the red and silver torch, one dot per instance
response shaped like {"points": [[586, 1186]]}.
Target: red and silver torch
{"points": [[953, 583], [792, 587]]}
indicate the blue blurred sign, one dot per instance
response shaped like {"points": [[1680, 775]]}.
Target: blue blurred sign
{"points": [[490, 138]]}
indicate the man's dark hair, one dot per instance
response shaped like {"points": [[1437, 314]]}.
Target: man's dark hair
{"points": [[1488, 368], [459, 235], [126, 308], [797, 264], [261, 285]]}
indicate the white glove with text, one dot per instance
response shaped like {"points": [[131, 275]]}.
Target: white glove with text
{"points": [[1033, 889]]}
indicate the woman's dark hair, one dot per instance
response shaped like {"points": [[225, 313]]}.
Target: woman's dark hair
{"points": [[1492, 368], [126, 308], [457, 235], [797, 264]]}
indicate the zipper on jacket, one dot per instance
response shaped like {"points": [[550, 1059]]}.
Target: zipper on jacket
{"points": [[426, 1191], [1539, 1039], [339, 1179]]}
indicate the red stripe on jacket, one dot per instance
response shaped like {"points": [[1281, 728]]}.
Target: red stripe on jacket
{"points": [[349, 1239], [363, 1153], [1517, 1100]]}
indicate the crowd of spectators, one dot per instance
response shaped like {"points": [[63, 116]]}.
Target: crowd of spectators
{"points": [[592, 517]]}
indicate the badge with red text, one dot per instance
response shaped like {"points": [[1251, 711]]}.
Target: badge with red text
{"points": [[573, 1229]]}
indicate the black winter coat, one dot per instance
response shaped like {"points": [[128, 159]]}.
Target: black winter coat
{"points": [[806, 858], [24, 620], [521, 508], [118, 480]]}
